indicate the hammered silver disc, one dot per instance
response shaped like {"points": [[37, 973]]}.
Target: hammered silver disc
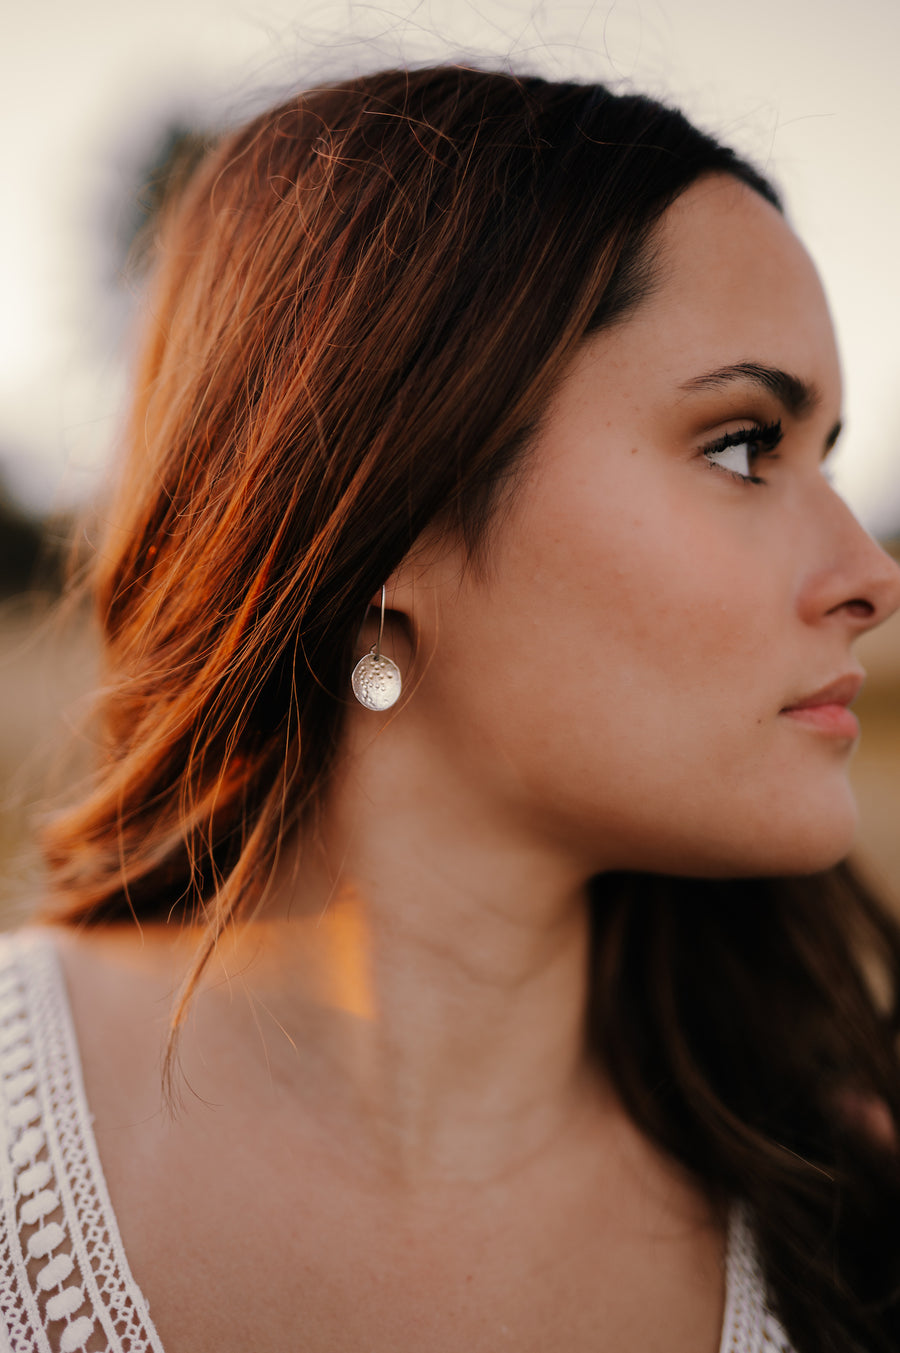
{"points": [[376, 682]]}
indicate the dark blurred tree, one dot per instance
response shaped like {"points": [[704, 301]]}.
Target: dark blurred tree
{"points": [[31, 549], [21, 544], [156, 179]]}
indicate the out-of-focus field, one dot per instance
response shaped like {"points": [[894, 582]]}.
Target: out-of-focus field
{"points": [[875, 769], [47, 670]]}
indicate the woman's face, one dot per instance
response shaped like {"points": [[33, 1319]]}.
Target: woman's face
{"points": [[674, 575]]}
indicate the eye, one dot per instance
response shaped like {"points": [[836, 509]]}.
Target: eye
{"points": [[733, 458], [738, 452]]}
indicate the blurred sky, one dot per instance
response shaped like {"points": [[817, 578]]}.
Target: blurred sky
{"points": [[809, 88]]}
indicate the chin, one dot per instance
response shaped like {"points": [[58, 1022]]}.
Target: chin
{"points": [[803, 847], [804, 833]]}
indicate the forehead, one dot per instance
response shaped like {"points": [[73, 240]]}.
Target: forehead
{"points": [[732, 284]]}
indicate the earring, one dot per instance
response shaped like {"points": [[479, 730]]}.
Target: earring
{"points": [[376, 679]]}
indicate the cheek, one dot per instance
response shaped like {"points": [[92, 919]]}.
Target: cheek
{"points": [[659, 601], [609, 639]]}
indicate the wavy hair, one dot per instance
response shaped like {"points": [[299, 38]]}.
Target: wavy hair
{"points": [[362, 302]]}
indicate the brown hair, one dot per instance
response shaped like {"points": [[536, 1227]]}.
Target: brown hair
{"points": [[363, 301]]}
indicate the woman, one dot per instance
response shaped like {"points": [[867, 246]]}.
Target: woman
{"points": [[524, 1001]]}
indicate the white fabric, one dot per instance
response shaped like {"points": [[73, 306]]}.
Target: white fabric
{"points": [[749, 1326], [65, 1284]]}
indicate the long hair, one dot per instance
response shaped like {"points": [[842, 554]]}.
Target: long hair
{"points": [[362, 303]]}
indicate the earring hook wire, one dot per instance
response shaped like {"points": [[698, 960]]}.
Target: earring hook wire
{"points": [[380, 624]]}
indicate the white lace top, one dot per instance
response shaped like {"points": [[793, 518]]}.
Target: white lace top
{"points": [[65, 1284]]}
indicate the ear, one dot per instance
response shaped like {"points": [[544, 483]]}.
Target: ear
{"points": [[425, 579], [427, 567]]}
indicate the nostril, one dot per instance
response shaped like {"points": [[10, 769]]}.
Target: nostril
{"points": [[860, 608], [857, 607]]}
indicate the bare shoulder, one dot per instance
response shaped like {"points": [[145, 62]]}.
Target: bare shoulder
{"points": [[120, 984]]}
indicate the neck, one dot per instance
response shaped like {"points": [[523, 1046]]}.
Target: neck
{"points": [[428, 966]]}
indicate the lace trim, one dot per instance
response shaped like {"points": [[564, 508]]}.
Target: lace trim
{"points": [[749, 1326], [65, 1283]]}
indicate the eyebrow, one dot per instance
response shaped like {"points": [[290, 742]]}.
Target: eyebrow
{"points": [[798, 397]]}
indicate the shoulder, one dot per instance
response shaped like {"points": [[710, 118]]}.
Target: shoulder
{"points": [[83, 1018], [119, 985], [64, 1278], [39, 1122], [85, 990]]}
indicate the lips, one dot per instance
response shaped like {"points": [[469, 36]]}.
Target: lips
{"points": [[841, 692], [826, 709]]}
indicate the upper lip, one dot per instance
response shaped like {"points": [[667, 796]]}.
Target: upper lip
{"points": [[840, 692]]}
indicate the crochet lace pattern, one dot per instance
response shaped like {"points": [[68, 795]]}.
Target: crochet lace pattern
{"points": [[65, 1284], [749, 1326]]}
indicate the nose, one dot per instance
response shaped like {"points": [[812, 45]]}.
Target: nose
{"points": [[859, 582]]}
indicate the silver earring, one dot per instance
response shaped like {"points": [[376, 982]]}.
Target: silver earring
{"points": [[376, 680]]}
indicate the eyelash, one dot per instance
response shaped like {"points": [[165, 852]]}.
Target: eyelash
{"points": [[764, 436]]}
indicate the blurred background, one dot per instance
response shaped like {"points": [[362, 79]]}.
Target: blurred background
{"points": [[102, 102]]}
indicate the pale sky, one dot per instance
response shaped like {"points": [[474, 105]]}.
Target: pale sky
{"points": [[808, 88]]}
